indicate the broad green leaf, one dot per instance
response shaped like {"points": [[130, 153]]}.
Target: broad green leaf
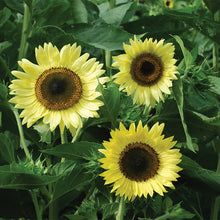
{"points": [[178, 93], [215, 84], [150, 24], [12, 177], [92, 10], [79, 12], [187, 55], [77, 178], [17, 5], [84, 150], [103, 36], [56, 12], [111, 99], [4, 15], [206, 26], [7, 149], [116, 15], [195, 171]]}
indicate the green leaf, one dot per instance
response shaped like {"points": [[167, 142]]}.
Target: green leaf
{"points": [[109, 209], [5, 14], [44, 131], [215, 84], [150, 24], [13, 177], [211, 121], [56, 12], [195, 171], [7, 148], [187, 55], [111, 99], [84, 150], [116, 15], [16, 5], [77, 178], [178, 94], [4, 45], [79, 12], [179, 213], [206, 26], [95, 36]]}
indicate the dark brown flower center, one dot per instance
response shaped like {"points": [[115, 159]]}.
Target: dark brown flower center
{"points": [[146, 69], [58, 88], [138, 162]]}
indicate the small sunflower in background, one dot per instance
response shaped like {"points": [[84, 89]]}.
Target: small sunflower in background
{"points": [[140, 161], [168, 3], [60, 89], [146, 70]]}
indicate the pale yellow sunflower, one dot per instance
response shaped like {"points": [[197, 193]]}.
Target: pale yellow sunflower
{"points": [[140, 161], [60, 89], [168, 3], [146, 70]]}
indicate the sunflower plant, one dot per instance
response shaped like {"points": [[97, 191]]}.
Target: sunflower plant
{"points": [[109, 110]]}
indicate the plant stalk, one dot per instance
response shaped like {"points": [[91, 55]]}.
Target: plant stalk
{"points": [[21, 133], [36, 205], [121, 209], [25, 30], [216, 17]]}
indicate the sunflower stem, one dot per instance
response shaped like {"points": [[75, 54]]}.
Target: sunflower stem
{"points": [[121, 209], [63, 137], [108, 62], [25, 30], [216, 202], [36, 205], [216, 17], [21, 133]]}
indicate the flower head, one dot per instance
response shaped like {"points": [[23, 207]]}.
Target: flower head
{"points": [[146, 70], [60, 89], [140, 161], [168, 3]]}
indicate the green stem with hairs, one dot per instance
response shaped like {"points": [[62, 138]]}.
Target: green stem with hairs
{"points": [[216, 17], [108, 62], [21, 133], [25, 30], [121, 209], [216, 203], [36, 205]]}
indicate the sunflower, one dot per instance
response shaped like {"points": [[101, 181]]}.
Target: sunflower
{"points": [[146, 70], [140, 161], [60, 89], [168, 3]]}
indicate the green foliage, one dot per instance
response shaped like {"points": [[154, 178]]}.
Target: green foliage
{"points": [[15, 176], [78, 150], [64, 178]]}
